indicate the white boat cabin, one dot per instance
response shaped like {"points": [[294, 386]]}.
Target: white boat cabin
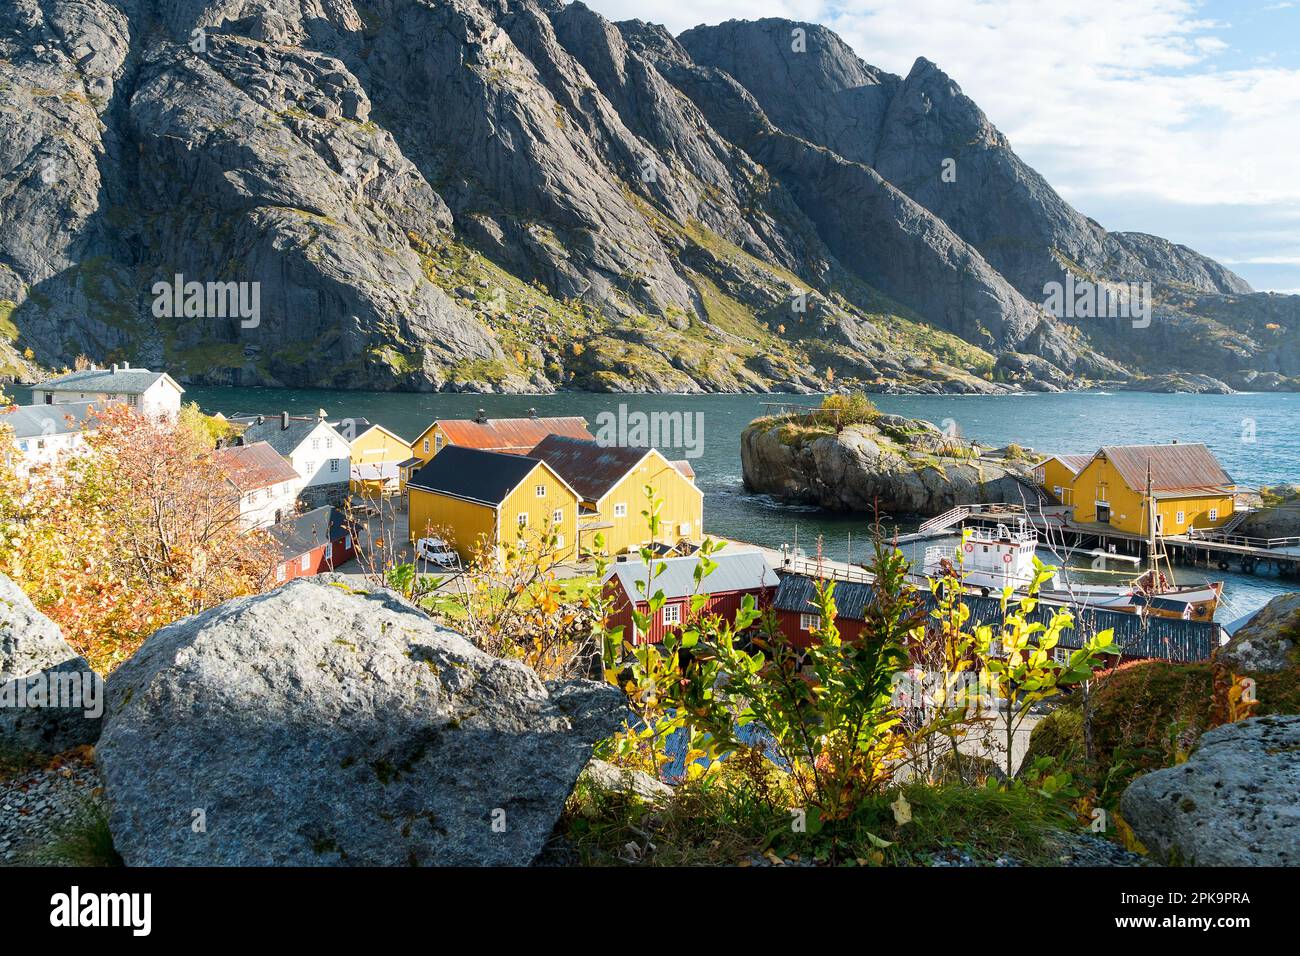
{"points": [[990, 560]]}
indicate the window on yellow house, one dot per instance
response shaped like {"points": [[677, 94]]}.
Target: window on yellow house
{"points": [[1214, 514], [540, 491], [523, 520], [1178, 517], [620, 511], [557, 516]]}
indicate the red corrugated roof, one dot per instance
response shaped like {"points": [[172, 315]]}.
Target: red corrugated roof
{"points": [[518, 436], [1179, 467], [249, 467]]}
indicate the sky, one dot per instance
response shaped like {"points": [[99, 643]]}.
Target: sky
{"points": [[1174, 117]]}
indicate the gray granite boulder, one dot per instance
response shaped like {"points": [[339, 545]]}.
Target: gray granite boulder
{"points": [[1267, 643], [1233, 803], [50, 699], [318, 725]]}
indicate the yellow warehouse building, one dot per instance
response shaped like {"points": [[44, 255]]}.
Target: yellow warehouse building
{"points": [[1190, 488], [611, 482], [471, 497]]}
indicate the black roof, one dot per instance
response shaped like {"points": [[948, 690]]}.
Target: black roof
{"points": [[1166, 638], [486, 477], [308, 531]]}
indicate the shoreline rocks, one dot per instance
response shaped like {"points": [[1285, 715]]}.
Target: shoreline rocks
{"points": [[902, 466]]}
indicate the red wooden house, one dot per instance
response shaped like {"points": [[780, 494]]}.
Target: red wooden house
{"points": [[312, 543], [735, 576]]}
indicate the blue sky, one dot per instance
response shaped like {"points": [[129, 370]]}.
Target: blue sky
{"points": [[1174, 117]]}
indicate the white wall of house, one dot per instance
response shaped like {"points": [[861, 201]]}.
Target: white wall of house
{"points": [[323, 457], [161, 399], [46, 449], [263, 507]]}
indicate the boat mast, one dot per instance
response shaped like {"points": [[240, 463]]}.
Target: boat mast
{"points": [[1155, 545]]}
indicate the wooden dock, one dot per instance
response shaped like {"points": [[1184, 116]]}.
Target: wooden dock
{"points": [[1057, 529]]}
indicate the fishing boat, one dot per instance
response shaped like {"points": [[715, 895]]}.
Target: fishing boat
{"points": [[990, 561]]}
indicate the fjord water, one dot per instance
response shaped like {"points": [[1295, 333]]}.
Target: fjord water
{"points": [[1256, 437]]}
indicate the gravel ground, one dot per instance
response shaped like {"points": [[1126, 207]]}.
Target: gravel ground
{"points": [[36, 805]]}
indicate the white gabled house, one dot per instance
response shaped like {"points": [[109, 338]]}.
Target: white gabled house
{"points": [[46, 434], [266, 483], [153, 393], [318, 453]]}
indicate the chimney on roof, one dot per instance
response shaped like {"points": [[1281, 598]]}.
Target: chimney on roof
{"points": [[481, 417], [114, 368], [320, 414], [284, 421], [532, 413], [260, 419], [126, 366]]}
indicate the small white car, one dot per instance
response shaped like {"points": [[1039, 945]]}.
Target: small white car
{"points": [[437, 551]]}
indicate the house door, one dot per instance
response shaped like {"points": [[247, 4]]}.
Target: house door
{"points": [[1103, 513], [1160, 523]]}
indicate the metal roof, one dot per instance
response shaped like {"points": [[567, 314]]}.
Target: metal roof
{"points": [[515, 435], [283, 438], [684, 467], [123, 381], [1167, 638], [485, 477], [592, 469], [1075, 463], [742, 571], [1174, 467], [249, 467], [34, 421], [308, 531]]}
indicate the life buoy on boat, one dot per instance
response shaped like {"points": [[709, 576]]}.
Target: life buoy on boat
{"points": [[1006, 558], [970, 548]]}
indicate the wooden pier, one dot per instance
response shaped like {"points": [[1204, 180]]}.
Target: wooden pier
{"points": [[1210, 548]]}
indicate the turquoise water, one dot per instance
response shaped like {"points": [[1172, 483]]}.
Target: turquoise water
{"points": [[1256, 436]]}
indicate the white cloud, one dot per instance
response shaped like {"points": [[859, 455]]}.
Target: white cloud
{"points": [[1113, 101]]}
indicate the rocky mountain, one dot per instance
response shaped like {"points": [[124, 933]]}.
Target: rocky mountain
{"points": [[520, 195]]}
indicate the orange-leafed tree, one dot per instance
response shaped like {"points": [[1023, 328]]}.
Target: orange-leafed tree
{"points": [[134, 531]]}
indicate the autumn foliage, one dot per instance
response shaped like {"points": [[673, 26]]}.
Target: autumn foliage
{"points": [[135, 530]]}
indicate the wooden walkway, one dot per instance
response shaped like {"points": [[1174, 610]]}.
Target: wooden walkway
{"points": [[1055, 527]]}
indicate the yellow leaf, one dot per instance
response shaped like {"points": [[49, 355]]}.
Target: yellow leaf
{"points": [[902, 810]]}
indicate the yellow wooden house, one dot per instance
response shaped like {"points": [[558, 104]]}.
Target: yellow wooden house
{"points": [[470, 497], [517, 436], [381, 461], [1190, 488], [1056, 475], [611, 483]]}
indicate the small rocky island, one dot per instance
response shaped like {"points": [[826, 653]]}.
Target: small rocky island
{"points": [[847, 456]]}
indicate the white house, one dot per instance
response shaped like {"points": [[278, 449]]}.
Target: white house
{"points": [[154, 393], [44, 434], [318, 453], [267, 485]]}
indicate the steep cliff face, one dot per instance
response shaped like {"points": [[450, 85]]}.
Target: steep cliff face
{"points": [[521, 195]]}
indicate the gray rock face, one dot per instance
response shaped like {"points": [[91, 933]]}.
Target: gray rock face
{"points": [[1233, 803], [1268, 641], [615, 188], [50, 699], [900, 469], [603, 775], [318, 726]]}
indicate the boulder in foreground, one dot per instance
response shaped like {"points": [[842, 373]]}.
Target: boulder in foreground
{"points": [[50, 699], [316, 725], [1233, 803]]}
